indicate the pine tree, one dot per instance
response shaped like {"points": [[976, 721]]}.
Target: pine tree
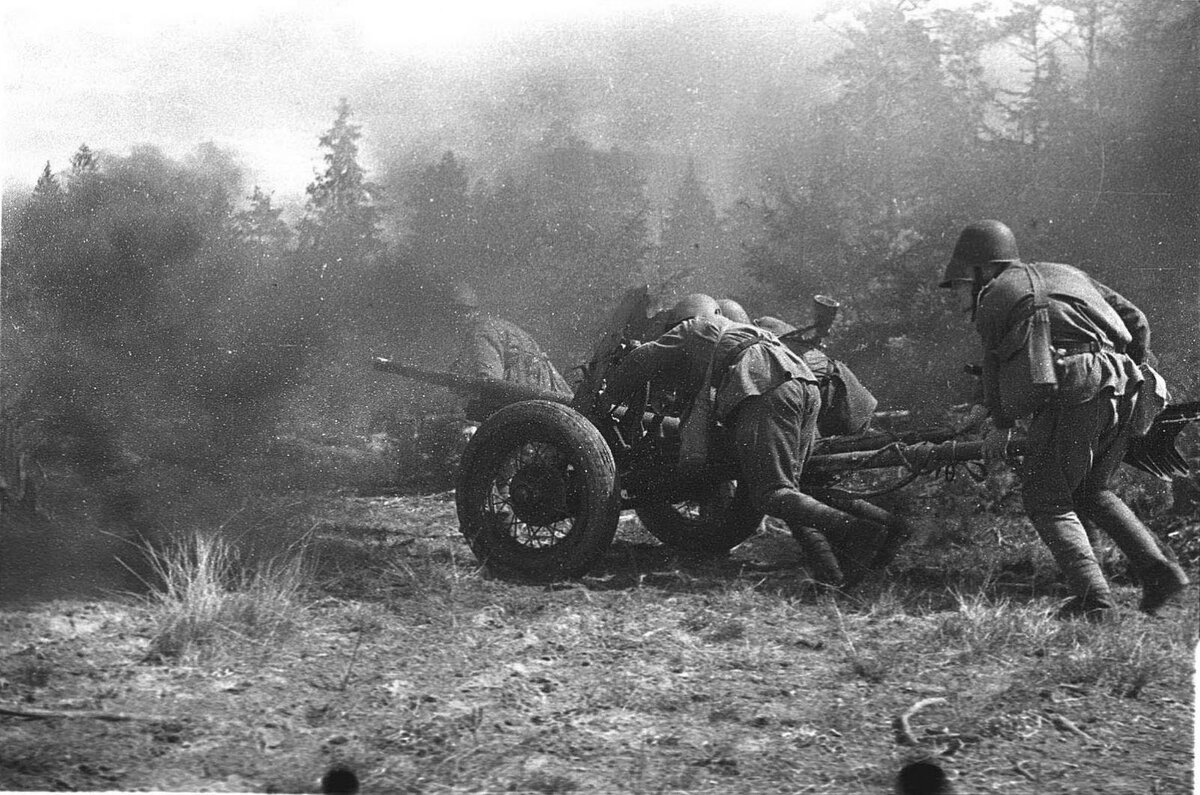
{"points": [[83, 162], [47, 186], [341, 225], [261, 227]]}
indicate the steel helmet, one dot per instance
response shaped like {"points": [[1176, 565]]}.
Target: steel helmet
{"points": [[733, 310], [981, 243], [462, 295], [694, 305]]}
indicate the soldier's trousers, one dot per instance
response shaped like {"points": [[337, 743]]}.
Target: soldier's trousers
{"points": [[773, 435], [1074, 452]]}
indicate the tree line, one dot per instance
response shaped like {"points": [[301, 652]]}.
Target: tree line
{"points": [[144, 274]]}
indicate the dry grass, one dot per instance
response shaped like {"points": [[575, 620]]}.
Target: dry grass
{"points": [[655, 674], [210, 601]]}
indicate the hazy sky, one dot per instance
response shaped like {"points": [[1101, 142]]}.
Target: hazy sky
{"points": [[261, 77]]}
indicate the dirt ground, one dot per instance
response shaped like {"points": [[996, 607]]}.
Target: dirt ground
{"points": [[653, 675]]}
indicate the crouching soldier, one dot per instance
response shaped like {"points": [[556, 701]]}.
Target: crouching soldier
{"points": [[1063, 350], [494, 348], [767, 399], [846, 408]]}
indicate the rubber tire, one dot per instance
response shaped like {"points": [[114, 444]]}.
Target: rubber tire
{"points": [[592, 508], [710, 535]]}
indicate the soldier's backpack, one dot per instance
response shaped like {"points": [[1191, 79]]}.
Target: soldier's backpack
{"points": [[846, 405]]}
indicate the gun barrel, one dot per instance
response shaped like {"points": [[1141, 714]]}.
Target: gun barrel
{"points": [[440, 378], [487, 395]]}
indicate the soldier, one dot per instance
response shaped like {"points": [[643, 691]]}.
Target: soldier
{"points": [[1079, 431], [846, 407], [495, 348], [767, 399]]}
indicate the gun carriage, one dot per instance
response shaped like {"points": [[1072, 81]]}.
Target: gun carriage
{"points": [[543, 481]]}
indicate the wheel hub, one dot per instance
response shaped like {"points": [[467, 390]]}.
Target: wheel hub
{"points": [[538, 494]]}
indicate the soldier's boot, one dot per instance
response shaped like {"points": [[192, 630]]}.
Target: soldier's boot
{"points": [[1068, 543], [837, 529], [1161, 578], [897, 532], [818, 555]]}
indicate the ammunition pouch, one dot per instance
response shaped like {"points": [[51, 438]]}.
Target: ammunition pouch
{"points": [[1152, 398]]}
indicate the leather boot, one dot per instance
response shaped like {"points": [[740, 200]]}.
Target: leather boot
{"points": [[855, 538], [1160, 578], [1160, 584], [818, 556], [1068, 543], [895, 531]]}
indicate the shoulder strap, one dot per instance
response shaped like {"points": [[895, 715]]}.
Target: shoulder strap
{"points": [[711, 360], [1040, 299]]}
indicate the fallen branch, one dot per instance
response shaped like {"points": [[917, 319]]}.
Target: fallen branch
{"points": [[29, 712], [904, 735], [1066, 725], [1024, 771]]}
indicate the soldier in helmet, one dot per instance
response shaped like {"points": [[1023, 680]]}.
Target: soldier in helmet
{"points": [[846, 408], [497, 349], [1043, 322], [767, 399]]}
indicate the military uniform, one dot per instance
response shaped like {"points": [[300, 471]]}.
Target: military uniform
{"points": [[846, 407], [1078, 438], [767, 398], [494, 348]]}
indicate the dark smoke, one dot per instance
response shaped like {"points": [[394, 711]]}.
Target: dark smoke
{"points": [[148, 359]]}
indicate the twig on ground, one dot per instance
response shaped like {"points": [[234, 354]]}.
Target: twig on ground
{"points": [[1066, 725], [30, 712], [353, 659], [955, 745], [904, 735], [1019, 766]]}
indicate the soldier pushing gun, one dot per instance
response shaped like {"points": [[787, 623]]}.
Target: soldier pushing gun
{"points": [[1063, 350], [767, 398]]}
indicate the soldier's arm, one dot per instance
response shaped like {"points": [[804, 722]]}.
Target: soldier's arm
{"points": [[1133, 318], [646, 362]]}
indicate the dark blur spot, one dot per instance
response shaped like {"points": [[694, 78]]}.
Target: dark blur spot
{"points": [[922, 778], [339, 780]]}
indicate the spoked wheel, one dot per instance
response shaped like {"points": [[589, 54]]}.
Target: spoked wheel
{"points": [[537, 492], [712, 525]]}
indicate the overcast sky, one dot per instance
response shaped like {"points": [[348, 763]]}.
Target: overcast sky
{"points": [[259, 76]]}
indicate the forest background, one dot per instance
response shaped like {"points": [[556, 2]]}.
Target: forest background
{"points": [[165, 322]]}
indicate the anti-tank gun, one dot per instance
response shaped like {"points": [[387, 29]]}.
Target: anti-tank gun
{"points": [[543, 481]]}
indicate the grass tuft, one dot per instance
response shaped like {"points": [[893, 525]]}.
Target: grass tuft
{"points": [[1123, 658], [209, 597], [981, 628]]}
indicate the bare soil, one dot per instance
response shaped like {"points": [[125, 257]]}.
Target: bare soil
{"points": [[655, 674]]}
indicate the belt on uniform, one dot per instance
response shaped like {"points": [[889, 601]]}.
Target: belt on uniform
{"points": [[1076, 348]]}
